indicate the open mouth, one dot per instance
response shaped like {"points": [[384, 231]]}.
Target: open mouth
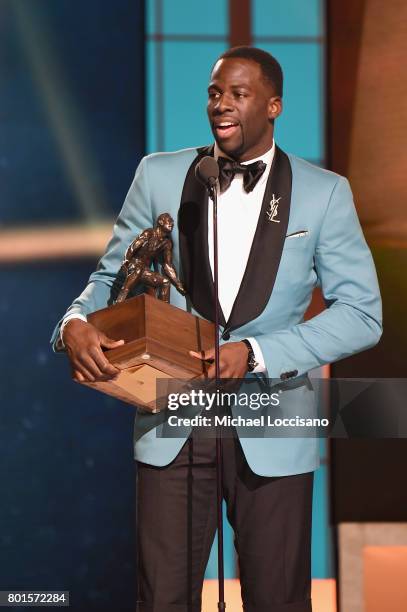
{"points": [[225, 129]]}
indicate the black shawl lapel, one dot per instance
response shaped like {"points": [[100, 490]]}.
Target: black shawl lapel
{"points": [[265, 255], [193, 242]]}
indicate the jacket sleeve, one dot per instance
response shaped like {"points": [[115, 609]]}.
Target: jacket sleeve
{"points": [[352, 321], [134, 217]]}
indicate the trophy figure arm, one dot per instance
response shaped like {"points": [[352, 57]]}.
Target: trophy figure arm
{"points": [[135, 246]]}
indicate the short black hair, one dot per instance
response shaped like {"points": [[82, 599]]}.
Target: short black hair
{"points": [[271, 69]]}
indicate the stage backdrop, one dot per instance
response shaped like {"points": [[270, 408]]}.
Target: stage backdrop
{"points": [[368, 123]]}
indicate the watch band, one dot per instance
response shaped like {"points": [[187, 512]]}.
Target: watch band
{"points": [[251, 360]]}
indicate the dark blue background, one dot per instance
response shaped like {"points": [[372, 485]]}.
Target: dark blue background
{"points": [[67, 475], [91, 55]]}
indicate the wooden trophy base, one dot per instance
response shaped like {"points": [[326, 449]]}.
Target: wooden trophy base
{"points": [[158, 338]]}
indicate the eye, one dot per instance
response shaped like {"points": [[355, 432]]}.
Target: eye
{"points": [[213, 95]]}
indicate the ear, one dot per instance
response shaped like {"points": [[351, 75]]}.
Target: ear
{"points": [[275, 107]]}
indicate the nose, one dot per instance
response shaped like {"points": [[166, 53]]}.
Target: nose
{"points": [[224, 103]]}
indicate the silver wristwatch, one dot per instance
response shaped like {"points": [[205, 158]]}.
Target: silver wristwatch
{"points": [[251, 360]]}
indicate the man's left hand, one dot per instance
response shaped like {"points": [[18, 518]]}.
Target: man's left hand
{"points": [[232, 360]]}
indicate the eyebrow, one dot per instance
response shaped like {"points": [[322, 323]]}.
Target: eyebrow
{"points": [[233, 86]]}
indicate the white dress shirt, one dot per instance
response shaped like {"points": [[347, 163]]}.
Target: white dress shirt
{"points": [[238, 215]]}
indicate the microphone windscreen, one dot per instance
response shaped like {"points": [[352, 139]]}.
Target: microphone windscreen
{"points": [[207, 170]]}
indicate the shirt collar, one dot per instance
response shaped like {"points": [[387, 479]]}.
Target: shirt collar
{"points": [[267, 157]]}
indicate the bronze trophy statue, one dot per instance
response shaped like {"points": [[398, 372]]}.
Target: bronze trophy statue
{"points": [[158, 336], [151, 246]]}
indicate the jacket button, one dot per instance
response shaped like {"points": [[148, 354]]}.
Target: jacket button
{"points": [[226, 335]]}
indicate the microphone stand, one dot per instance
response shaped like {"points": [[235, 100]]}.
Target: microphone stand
{"points": [[219, 487]]}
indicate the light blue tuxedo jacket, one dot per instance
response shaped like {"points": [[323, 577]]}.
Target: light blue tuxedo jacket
{"points": [[283, 269]]}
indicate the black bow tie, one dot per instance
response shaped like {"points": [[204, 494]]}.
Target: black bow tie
{"points": [[229, 168]]}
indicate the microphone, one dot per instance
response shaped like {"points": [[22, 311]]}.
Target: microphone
{"points": [[207, 171]]}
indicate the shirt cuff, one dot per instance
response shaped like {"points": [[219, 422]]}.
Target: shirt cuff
{"points": [[73, 315], [258, 355]]}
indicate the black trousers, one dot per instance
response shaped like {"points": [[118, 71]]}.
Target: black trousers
{"points": [[176, 525]]}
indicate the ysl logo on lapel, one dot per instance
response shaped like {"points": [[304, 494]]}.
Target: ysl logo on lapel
{"points": [[273, 209]]}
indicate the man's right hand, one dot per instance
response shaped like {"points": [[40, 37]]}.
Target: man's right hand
{"points": [[84, 344]]}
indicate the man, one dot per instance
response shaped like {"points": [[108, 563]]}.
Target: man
{"points": [[285, 226]]}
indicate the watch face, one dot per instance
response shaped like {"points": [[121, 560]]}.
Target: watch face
{"points": [[252, 363]]}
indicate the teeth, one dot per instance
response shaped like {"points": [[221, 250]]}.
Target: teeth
{"points": [[225, 124]]}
